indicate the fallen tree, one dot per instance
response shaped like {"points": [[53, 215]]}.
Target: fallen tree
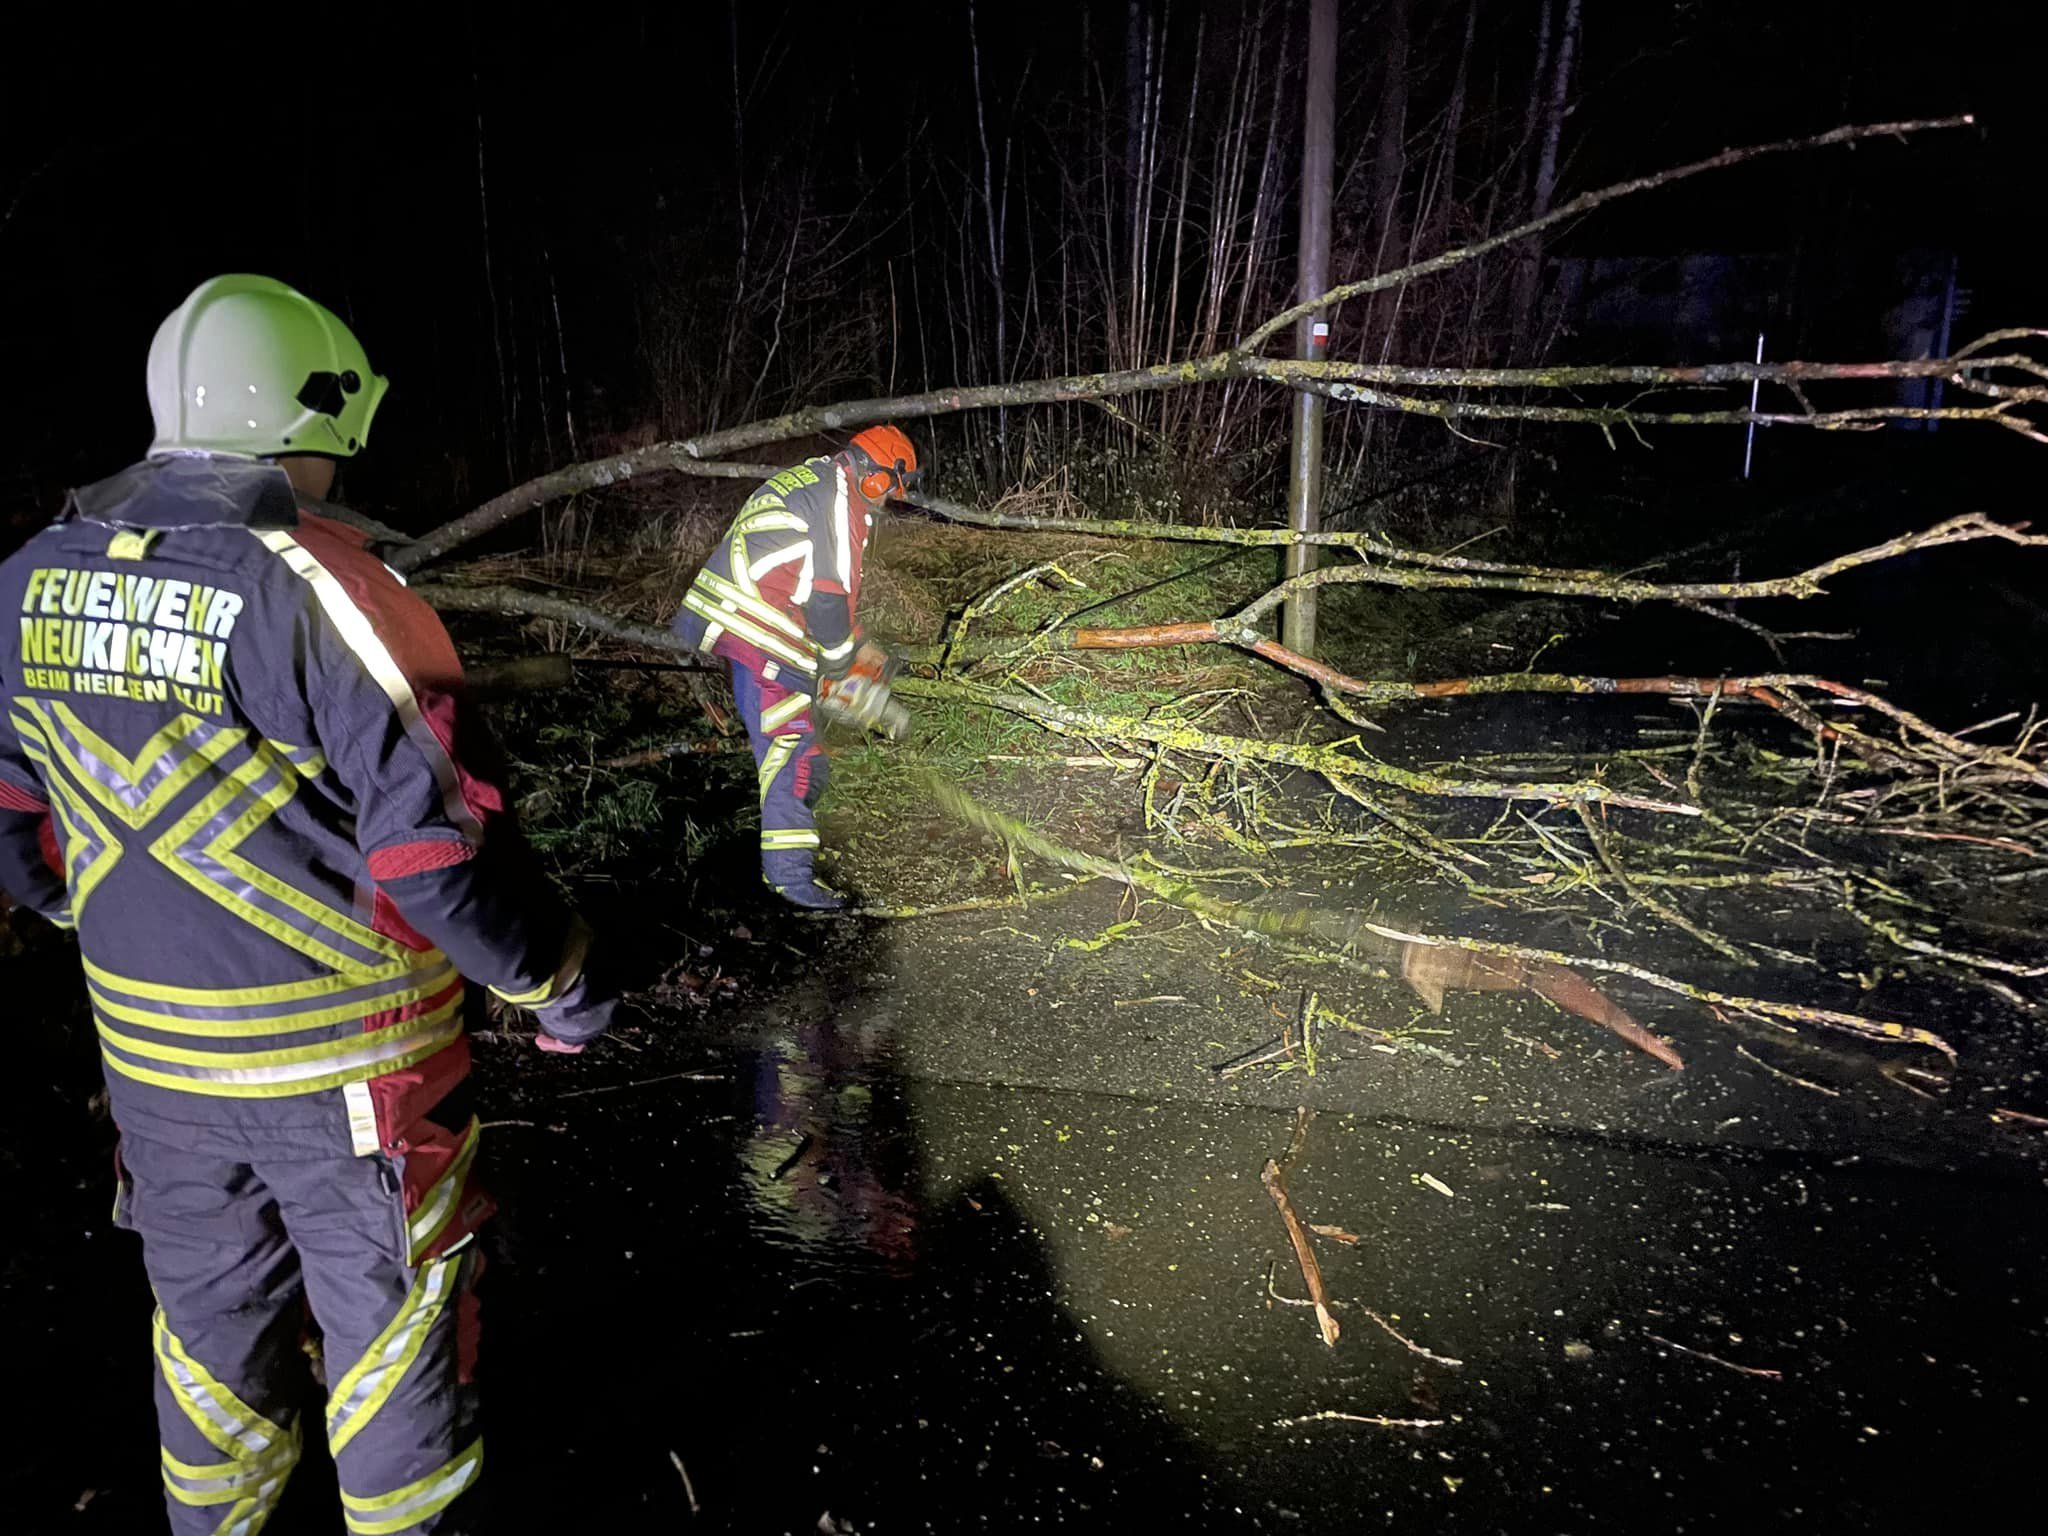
{"points": [[1656, 832]]}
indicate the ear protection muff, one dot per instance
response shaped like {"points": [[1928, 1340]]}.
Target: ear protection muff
{"points": [[876, 484]]}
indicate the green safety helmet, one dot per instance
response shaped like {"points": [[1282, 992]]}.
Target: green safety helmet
{"points": [[247, 365]]}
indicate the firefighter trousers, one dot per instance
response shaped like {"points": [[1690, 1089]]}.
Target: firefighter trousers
{"points": [[792, 773], [237, 1253]]}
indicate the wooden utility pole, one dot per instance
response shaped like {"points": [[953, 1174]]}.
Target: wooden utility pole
{"points": [[1312, 334]]}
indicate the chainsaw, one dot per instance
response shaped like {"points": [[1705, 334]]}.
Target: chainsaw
{"points": [[862, 697]]}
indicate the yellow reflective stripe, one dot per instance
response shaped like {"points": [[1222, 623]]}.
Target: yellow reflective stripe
{"points": [[417, 1501], [780, 751], [372, 1379], [533, 999], [278, 1024], [242, 780], [792, 837], [285, 1056], [71, 814], [61, 726], [230, 1425], [443, 1198], [81, 829], [770, 520], [778, 646], [731, 591], [362, 638], [834, 652], [391, 1051], [255, 1481], [739, 613], [132, 543], [279, 1090], [282, 992], [736, 557], [310, 761], [751, 603], [575, 947], [777, 715]]}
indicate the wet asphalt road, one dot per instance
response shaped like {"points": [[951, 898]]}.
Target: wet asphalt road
{"points": [[844, 1280], [920, 1258]]}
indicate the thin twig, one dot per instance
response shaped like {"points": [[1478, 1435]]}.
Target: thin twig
{"points": [[689, 1491], [946, 908], [1332, 1416], [1700, 1354], [1274, 1177], [1663, 909], [1413, 1348], [648, 1082], [1822, 1088]]}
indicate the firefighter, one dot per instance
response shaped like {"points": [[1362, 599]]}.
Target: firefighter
{"points": [[778, 600], [233, 761]]}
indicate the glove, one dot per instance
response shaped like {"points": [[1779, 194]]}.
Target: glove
{"points": [[580, 1017], [837, 668], [581, 1013]]}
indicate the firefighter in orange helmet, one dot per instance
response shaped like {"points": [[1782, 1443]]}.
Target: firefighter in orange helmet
{"points": [[778, 599]]}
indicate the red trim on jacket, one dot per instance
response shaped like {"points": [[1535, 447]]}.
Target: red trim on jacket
{"points": [[413, 634], [416, 858], [13, 799], [402, 1098]]}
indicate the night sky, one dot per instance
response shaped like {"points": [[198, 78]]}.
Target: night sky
{"points": [[615, 176]]}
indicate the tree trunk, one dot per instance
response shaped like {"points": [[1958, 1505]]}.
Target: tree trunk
{"points": [[1529, 271]]}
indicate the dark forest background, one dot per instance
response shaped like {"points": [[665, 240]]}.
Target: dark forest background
{"points": [[576, 228]]}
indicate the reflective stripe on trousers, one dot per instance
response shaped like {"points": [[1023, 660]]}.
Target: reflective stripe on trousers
{"points": [[791, 773], [235, 1252]]}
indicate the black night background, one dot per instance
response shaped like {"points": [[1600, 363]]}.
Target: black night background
{"points": [[946, 1212]]}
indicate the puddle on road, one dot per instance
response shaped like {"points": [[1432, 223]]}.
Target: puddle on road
{"points": [[921, 1305]]}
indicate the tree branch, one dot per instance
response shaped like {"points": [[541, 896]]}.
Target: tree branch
{"points": [[1298, 373], [1968, 528], [534, 605], [1855, 418], [559, 483], [1583, 204], [1331, 761]]}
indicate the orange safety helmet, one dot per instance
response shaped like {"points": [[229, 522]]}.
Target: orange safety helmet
{"points": [[885, 461]]}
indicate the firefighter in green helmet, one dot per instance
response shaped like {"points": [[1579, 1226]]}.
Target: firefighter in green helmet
{"points": [[233, 760]]}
